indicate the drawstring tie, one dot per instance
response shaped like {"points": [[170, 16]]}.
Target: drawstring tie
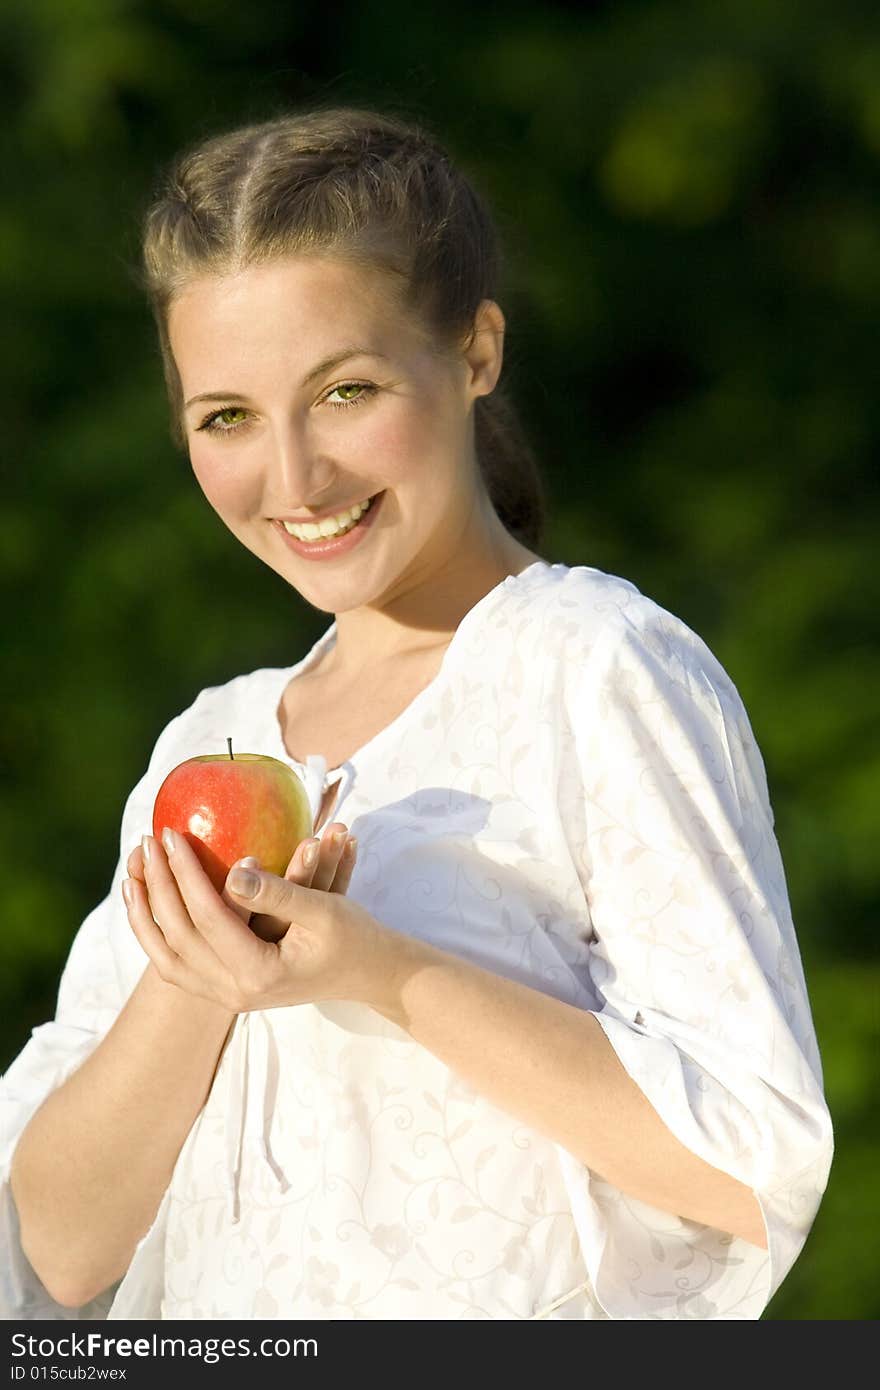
{"points": [[242, 1076], [315, 779], [558, 1302], [253, 1081]]}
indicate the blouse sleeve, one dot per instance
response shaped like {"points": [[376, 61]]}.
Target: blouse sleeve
{"points": [[695, 959], [103, 966]]}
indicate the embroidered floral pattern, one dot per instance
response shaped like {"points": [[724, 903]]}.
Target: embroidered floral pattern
{"points": [[575, 802]]}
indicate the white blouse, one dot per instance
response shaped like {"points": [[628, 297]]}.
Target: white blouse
{"points": [[577, 802]]}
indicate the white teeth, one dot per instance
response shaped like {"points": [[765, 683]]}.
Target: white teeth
{"points": [[330, 526]]}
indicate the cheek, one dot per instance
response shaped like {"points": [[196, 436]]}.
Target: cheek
{"points": [[225, 483], [396, 444]]}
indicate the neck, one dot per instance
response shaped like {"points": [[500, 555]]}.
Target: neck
{"points": [[426, 612]]}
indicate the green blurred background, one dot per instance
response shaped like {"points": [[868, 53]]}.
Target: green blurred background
{"points": [[690, 199]]}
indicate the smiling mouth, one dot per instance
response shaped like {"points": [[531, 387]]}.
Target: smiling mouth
{"points": [[330, 528]]}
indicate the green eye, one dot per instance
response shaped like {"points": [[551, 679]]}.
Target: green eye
{"points": [[364, 390], [230, 410], [213, 423]]}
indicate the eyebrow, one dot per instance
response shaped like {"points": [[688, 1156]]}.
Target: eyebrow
{"points": [[325, 365]]}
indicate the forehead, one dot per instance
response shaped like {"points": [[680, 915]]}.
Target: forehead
{"points": [[305, 303]]}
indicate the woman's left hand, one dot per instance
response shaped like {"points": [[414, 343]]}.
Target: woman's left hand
{"points": [[332, 949]]}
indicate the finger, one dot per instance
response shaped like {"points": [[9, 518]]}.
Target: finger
{"points": [[303, 862], [149, 935], [302, 870], [332, 845], [249, 862], [216, 920], [170, 966], [346, 866], [137, 869], [299, 870], [278, 897], [135, 864], [172, 914]]}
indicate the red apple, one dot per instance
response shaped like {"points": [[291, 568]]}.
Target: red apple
{"points": [[230, 805]]}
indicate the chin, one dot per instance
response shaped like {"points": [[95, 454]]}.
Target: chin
{"points": [[334, 594]]}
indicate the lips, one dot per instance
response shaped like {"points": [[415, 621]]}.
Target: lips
{"points": [[329, 515], [332, 546]]}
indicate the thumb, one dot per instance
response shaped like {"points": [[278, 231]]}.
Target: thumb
{"points": [[260, 891], [231, 899]]}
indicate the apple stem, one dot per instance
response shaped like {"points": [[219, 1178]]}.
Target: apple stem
{"points": [[229, 744]]}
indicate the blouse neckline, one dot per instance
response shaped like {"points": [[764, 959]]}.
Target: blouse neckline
{"points": [[288, 673]]}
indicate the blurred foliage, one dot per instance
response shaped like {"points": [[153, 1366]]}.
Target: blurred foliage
{"points": [[689, 198]]}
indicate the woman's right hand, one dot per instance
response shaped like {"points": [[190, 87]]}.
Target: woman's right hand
{"points": [[331, 871]]}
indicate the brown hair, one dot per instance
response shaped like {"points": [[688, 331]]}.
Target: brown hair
{"points": [[364, 186]]}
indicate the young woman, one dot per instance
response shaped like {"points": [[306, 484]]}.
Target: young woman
{"points": [[540, 1046]]}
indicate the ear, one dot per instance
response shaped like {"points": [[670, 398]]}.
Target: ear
{"points": [[484, 349]]}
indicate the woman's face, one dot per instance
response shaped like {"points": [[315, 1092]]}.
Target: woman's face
{"points": [[285, 438]]}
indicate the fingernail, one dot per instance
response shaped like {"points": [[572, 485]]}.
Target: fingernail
{"points": [[310, 855], [338, 837], [146, 847], [351, 847], [248, 862], [127, 893], [168, 840], [244, 883]]}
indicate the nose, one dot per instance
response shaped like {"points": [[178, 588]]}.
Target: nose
{"points": [[300, 475]]}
